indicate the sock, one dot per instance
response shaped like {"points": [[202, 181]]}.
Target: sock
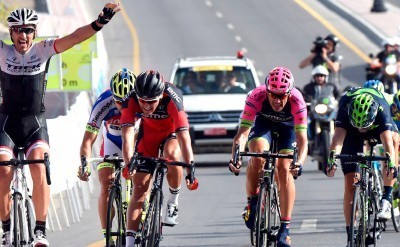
{"points": [[6, 225], [348, 232], [40, 225], [130, 238], [173, 198], [285, 225], [387, 194], [104, 232]]}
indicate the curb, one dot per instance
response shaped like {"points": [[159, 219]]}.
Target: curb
{"points": [[370, 31]]}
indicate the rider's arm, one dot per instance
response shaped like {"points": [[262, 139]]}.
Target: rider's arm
{"points": [[185, 144], [387, 142], [87, 143], [338, 139], [301, 139], [307, 61], [240, 138], [128, 142], [81, 34], [333, 66]]}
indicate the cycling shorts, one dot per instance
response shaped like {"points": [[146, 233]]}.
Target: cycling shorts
{"points": [[263, 129], [28, 132]]}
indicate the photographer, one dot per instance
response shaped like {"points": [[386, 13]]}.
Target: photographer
{"points": [[323, 53]]}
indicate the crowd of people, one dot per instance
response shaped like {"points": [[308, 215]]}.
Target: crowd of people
{"points": [[145, 114]]}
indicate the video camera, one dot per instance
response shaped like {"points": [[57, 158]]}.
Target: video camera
{"points": [[319, 43]]}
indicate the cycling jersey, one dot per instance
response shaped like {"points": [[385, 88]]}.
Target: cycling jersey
{"points": [[354, 140], [23, 77], [104, 112], [169, 117], [257, 105]]}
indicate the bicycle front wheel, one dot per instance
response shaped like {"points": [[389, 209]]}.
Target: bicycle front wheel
{"points": [[31, 219], [358, 224], [20, 227], [396, 209], [115, 231], [151, 229], [261, 216]]}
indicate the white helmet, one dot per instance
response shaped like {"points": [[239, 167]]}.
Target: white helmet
{"points": [[22, 16], [320, 69], [388, 41]]}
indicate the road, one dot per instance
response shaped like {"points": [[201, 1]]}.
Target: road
{"points": [[272, 33]]}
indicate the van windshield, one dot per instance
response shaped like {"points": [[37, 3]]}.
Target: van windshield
{"points": [[238, 80]]}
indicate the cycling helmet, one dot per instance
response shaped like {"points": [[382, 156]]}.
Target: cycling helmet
{"points": [[149, 85], [396, 100], [387, 41], [362, 110], [279, 80], [377, 84], [320, 69], [22, 16], [332, 38], [122, 83]]}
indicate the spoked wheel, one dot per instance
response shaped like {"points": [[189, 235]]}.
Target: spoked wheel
{"points": [[396, 208], [31, 220], [20, 226], [260, 226], [274, 218], [115, 231], [358, 224], [151, 228]]}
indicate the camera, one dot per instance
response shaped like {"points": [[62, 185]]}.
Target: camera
{"points": [[319, 43]]}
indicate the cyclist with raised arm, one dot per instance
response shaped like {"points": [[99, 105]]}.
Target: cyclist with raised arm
{"points": [[23, 84], [275, 106], [363, 114], [164, 126], [106, 114]]}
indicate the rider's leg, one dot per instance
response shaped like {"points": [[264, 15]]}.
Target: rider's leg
{"points": [[5, 202], [255, 165], [172, 151]]}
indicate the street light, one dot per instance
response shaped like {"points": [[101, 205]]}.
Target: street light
{"points": [[379, 6]]}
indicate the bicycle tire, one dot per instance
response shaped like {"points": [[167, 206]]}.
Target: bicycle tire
{"points": [[261, 216], [31, 219], [115, 228], [151, 228], [358, 229], [275, 218], [396, 210], [19, 224]]}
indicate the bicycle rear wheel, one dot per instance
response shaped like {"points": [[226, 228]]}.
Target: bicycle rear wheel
{"points": [[31, 219], [151, 228], [20, 227], [115, 230], [358, 224]]}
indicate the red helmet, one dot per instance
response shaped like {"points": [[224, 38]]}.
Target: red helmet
{"points": [[279, 80]]}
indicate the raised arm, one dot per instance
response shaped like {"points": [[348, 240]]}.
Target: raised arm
{"points": [[83, 33]]}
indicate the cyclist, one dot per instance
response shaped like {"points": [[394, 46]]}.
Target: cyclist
{"points": [[274, 106], [23, 83], [164, 126], [363, 113], [106, 114]]}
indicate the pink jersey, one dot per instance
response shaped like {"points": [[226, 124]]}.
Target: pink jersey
{"points": [[257, 104]]}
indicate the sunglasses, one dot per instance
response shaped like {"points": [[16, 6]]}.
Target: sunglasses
{"points": [[148, 101], [25, 30], [278, 96], [320, 75]]}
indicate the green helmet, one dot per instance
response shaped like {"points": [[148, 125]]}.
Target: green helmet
{"points": [[122, 83], [362, 110]]}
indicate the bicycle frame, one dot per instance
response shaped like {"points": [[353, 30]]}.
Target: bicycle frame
{"points": [[22, 214], [366, 198]]}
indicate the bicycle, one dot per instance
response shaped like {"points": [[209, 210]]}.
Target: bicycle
{"points": [[267, 220], [150, 233], [366, 201], [116, 208], [22, 211]]}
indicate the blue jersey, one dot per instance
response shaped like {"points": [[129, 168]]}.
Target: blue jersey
{"points": [[105, 112]]}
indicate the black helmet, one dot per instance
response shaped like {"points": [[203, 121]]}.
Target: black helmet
{"points": [[149, 85], [332, 38]]}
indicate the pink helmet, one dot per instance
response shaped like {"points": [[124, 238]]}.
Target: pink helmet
{"points": [[279, 80]]}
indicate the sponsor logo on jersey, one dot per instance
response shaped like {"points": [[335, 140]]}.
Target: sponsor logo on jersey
{"points": [[174, 95], [101, 111]]}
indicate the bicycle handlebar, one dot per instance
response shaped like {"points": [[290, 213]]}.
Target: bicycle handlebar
{"points": [[137, 160], [17, 162], [361, 157]]}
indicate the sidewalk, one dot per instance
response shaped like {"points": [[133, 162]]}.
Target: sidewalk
{"points": [[375, 25]]}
